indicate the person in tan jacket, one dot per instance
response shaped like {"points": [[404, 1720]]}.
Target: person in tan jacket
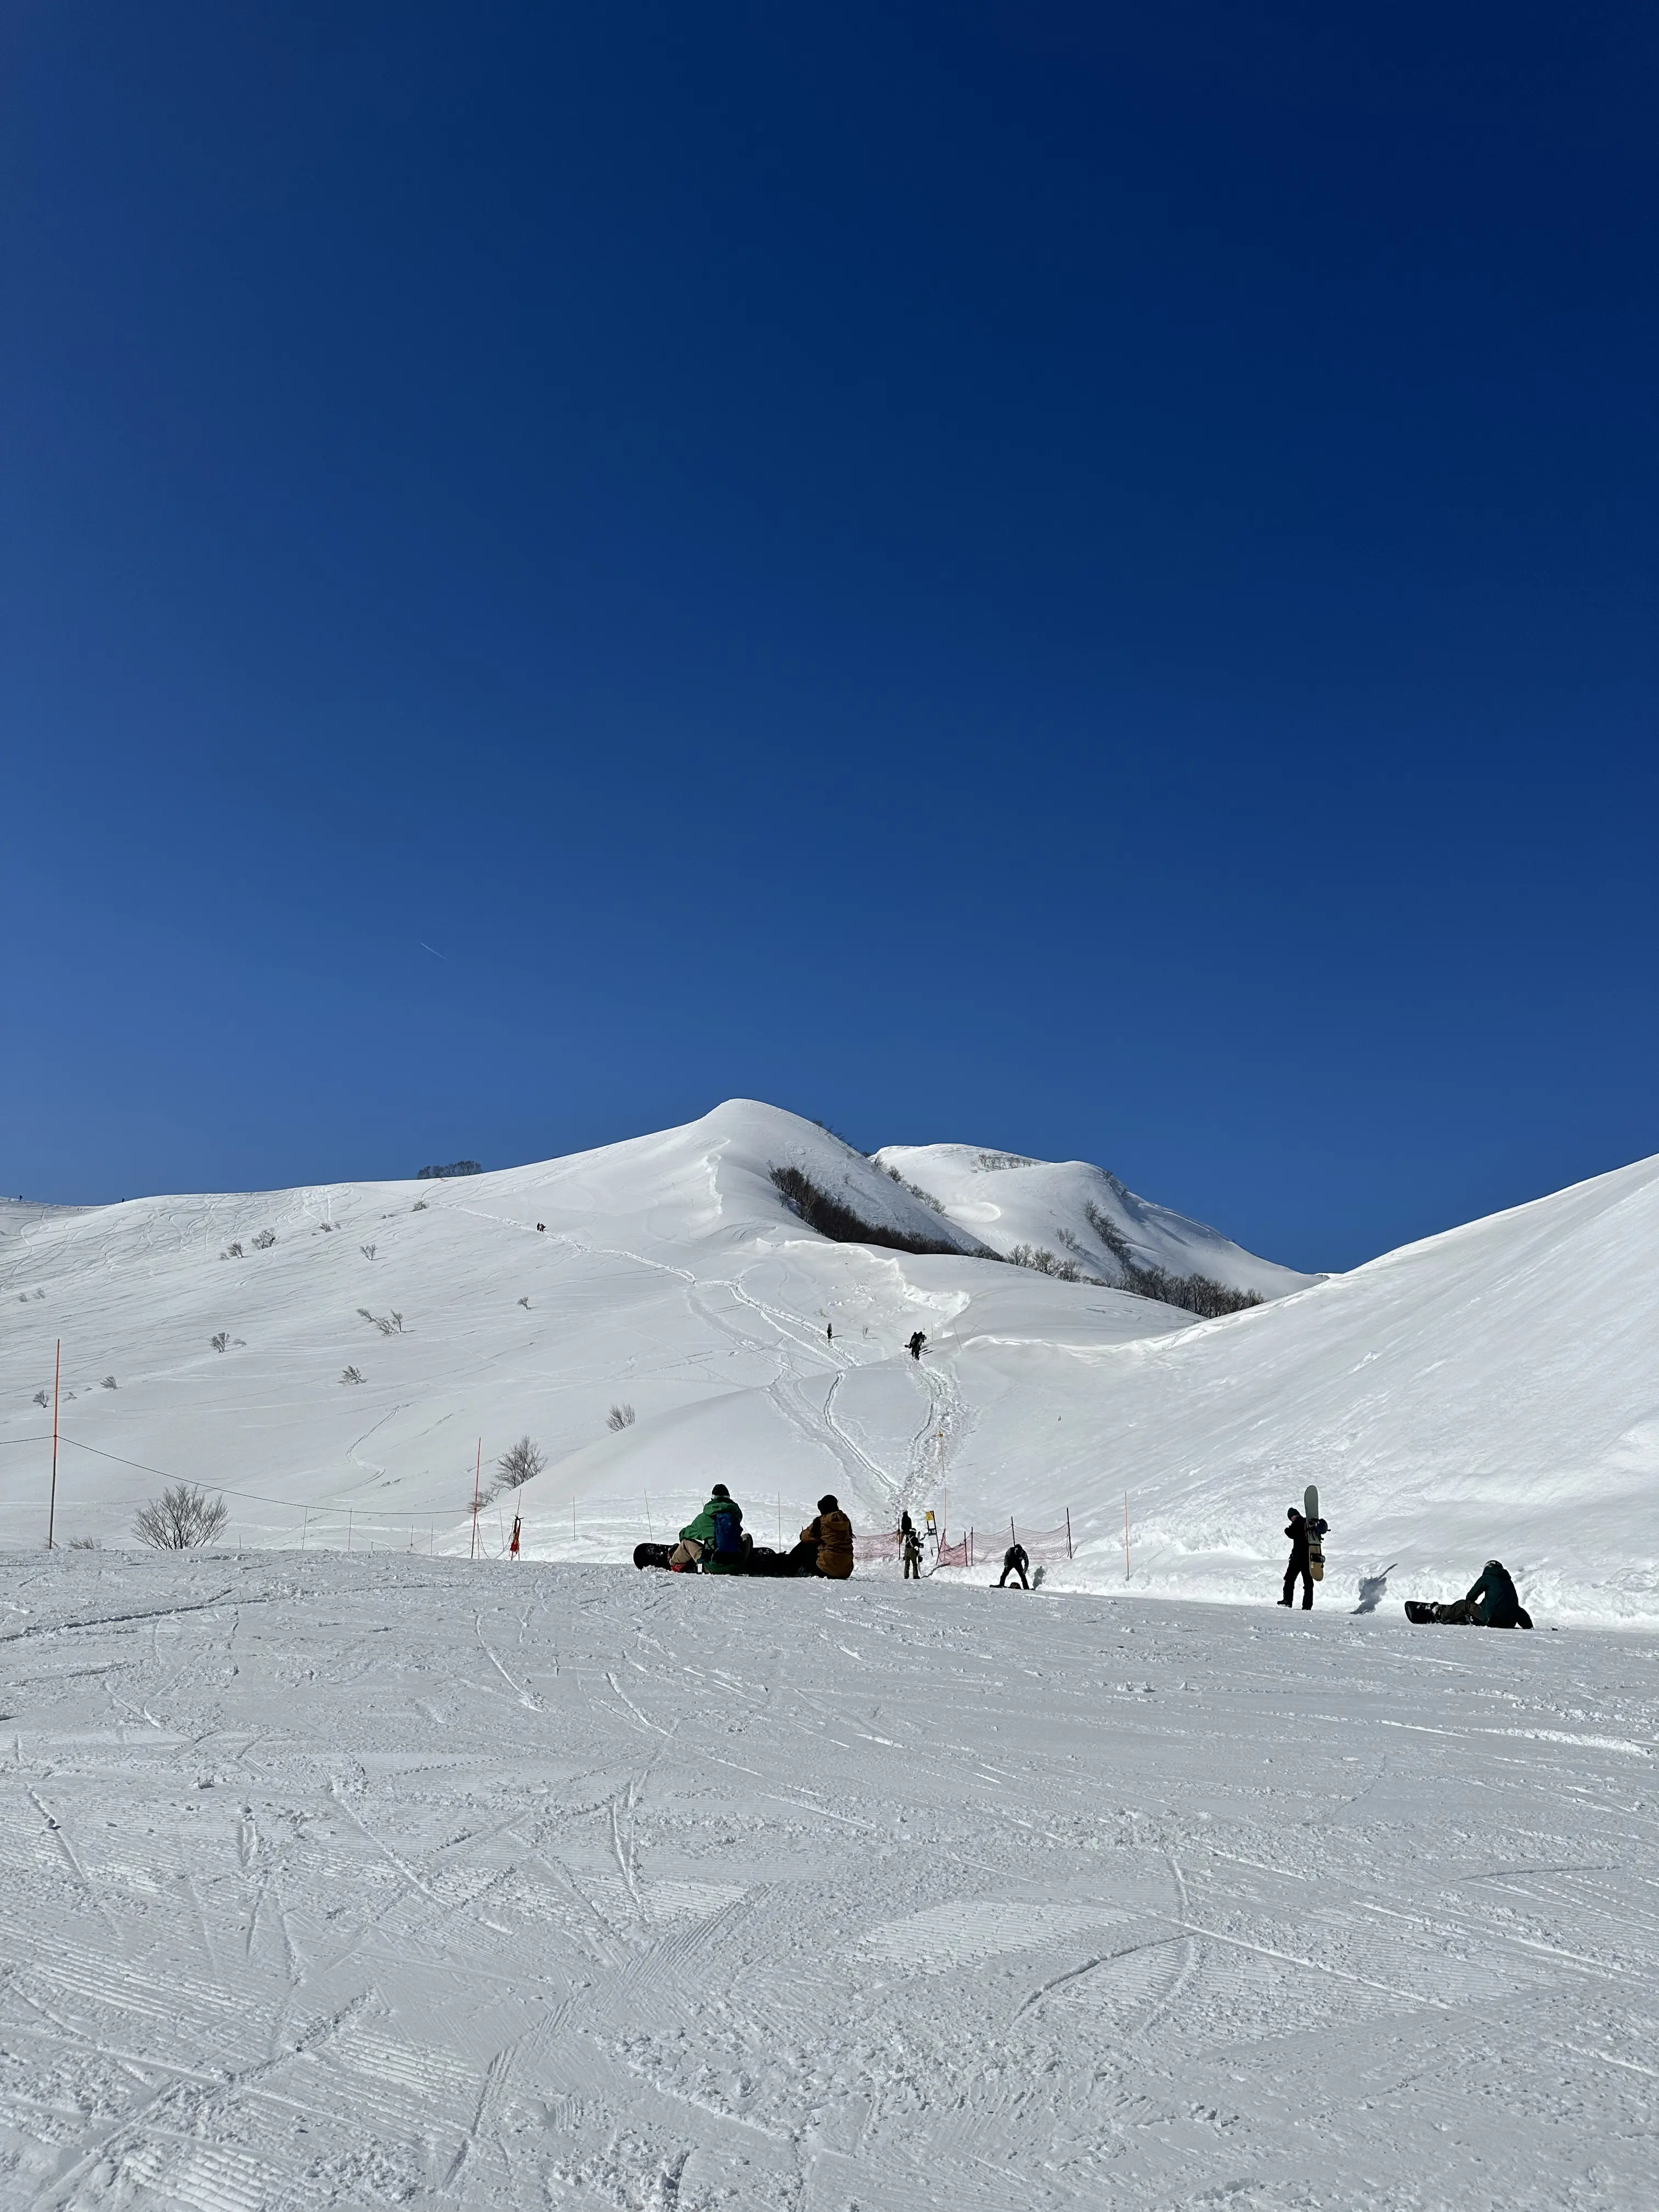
{"points": [[826, 1544]]}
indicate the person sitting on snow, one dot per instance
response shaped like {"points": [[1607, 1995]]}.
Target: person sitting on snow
{"points": [[718, 1531], [826, 1544]]}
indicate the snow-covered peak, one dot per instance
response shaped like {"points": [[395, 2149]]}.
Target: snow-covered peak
{"points": [[1081, 1215]]}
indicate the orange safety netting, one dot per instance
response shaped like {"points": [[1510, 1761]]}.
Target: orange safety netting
{"points": [[871, 1550], [1046, 1544]]}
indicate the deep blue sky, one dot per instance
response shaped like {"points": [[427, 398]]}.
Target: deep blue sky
{"points": [[1080, 579]]}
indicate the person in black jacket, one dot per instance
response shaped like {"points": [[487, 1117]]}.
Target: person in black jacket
{"points": [[1014, 1562], [1296, 1529]]}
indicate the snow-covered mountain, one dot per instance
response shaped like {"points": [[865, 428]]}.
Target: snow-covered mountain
{"points": [[1489, 1391], [1069, 1214]]}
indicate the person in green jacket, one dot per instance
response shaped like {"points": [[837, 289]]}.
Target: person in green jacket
{"points": [[718, 1530]]}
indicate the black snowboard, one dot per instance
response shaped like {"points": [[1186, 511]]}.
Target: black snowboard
{"points": [[1456, 1614], [651, 1555]]}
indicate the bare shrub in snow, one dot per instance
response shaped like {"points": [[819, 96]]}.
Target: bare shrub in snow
{"points": [[264, 1240], [832, 1217], [43, 1397], [916, 1191], [993, 1161], [233, 1252], [385, 1324], [1042, 1261], [328, 1227], [365, 1313], [179, 1519], [367, 1251], [40, 1294], [525, 1302], [419, 1206], [220, 1341], [397, 1321], [108, 1382], [521, 1462], [620, 1417], [455, 1168], [350, 1375], [1194, 1294], [83, 1544]]}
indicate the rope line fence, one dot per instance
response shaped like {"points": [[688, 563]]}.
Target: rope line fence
{"points": [[600, 1528]]}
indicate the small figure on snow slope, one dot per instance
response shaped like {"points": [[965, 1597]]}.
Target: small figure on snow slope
{"points": [[1300, 1530], [1014, 1562], [909, 1548], [1494, 1602]]}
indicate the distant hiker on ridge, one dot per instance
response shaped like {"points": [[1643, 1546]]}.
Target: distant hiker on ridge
{"points": [[917, 1343]]}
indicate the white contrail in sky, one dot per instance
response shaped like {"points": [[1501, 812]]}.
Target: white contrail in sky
{"points": [[433, 951]]}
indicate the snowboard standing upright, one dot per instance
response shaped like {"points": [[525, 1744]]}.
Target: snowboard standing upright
{"points": [[1315, 1532]]}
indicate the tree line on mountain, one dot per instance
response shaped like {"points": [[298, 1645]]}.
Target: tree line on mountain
{"points": [[834, 1218]]}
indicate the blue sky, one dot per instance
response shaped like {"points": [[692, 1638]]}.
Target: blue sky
{"points": [[1076, 578]]}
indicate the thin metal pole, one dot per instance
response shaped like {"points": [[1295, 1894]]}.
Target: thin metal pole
{"points": [[304, 1525], [1068, 1532], [1126, 1536], [349, 1510], [477, 1475], [51, 1509]]}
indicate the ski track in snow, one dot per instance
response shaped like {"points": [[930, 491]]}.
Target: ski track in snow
{"points": [[357, 1881]]}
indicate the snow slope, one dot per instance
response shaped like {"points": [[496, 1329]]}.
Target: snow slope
{"points": [[352, 1883], [670, 1277], [1490, 1391], [1007, 1202]]}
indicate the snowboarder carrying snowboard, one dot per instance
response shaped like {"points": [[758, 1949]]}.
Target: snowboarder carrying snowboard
{"points": [[1298, 1529], [910, 1545]]}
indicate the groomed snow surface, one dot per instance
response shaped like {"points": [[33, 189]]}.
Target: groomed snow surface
{"points": [[385, 1881]]}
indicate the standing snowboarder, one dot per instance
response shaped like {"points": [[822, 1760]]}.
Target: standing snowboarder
{"points": [[1014, 1562], [917, 1344], [909, 1547], [830, 1331], [1297, 1529]]}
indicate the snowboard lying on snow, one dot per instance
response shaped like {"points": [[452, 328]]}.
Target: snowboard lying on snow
{"points": [[1455, 1615], [758, 1561]]}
